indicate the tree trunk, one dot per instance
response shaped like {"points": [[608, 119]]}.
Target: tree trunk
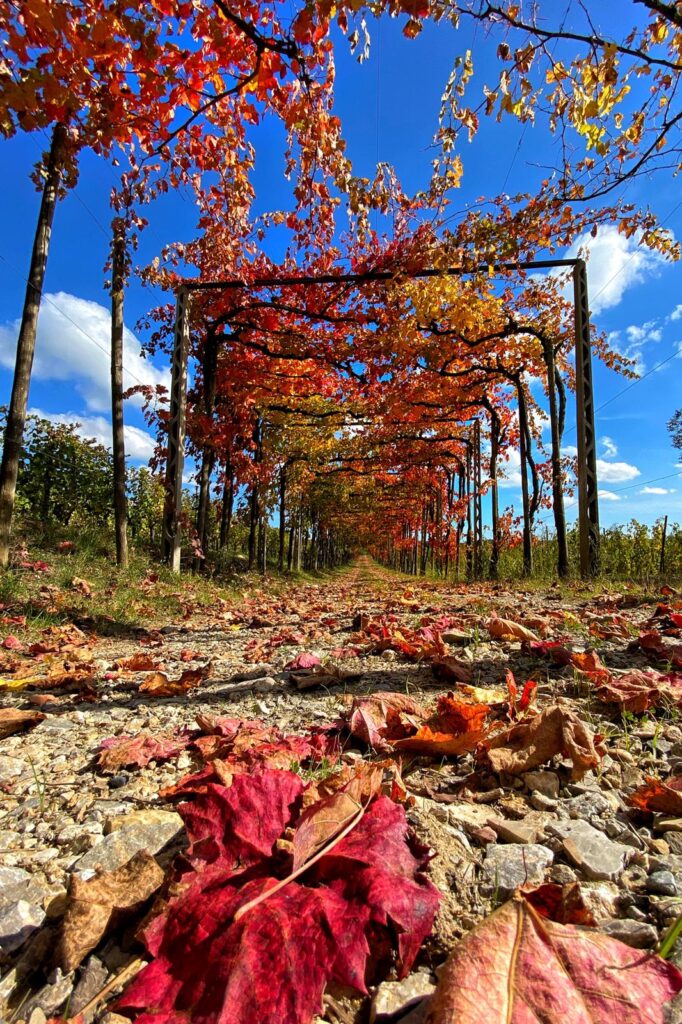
{"points": [[228, 505], [253, 526], [282, 516], [16, 416], [493, 565], [118, 257], [557, 476], [207, 460], [523, 458]]}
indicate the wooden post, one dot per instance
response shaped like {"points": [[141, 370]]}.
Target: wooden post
{"points": [[176, 433], [118, 260], [588, 501]]}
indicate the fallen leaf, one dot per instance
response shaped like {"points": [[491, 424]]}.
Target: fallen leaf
{"points": [[456, 728], [159, 685], [12, 643], [272, 963], [381, 718], [505, 629], [637, 690], [12, 721], [452, 670], [517, 967], [655, 795], [320, 823], [82, 586], [586, 661], [139, 662], [561, 903], [97, 903], [529, 744], [302, 661], [137, 751], [518, 706]]}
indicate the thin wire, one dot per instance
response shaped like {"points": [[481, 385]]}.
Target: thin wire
{"points": [[51, 302], [616, 490], [635, 253]]}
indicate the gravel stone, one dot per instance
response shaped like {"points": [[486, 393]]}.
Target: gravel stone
{"points": [[507, 867], [18, 921], [662, 883], [633, 933], [595, 855]]}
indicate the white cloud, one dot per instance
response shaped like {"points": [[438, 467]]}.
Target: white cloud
{"points": [[139, 444], [610, 447], [614, 264], [510, 465], [74, 344], [608, 496], [657, 490], [677, 313], [615, 472]]}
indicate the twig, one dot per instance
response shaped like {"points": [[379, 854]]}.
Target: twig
{"points": [[304, 867], [123, 976]]}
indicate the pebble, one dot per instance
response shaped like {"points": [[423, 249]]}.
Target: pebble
{"points": [[589, 849], [662, 883], [589, 806], [118, 847], [514, 831], [507, 867], [252, 672], [53, 996], [543, 803], [544, 783], [92, 980], [637, 934], [18, 921], [118, 781], [11, 768], [397, 997]]}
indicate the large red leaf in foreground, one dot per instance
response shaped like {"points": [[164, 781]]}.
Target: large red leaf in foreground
{"points": [[517, 968], [273, 963]]}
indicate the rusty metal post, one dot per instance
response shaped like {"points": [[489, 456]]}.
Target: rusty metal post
{"points": [[176, 433], [588, 501]]}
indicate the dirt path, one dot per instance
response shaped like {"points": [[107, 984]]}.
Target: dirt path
{"points": [[61, 813]]}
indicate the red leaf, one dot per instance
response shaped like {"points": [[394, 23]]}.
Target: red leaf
{"points": [[381, 718], [127, 751], [517, 967], [12, 643], [240, 824], [561, 903], [636, 691], [273, 963], [654, 795], [302, 660]]}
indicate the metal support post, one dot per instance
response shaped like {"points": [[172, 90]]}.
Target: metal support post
{"points": [[588, 501], [176, 433]]}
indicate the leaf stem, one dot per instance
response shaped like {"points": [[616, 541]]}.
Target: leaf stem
{"points": [[304, 867]]}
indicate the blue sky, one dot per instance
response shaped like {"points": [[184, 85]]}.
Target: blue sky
{"points": [[389, 108]]}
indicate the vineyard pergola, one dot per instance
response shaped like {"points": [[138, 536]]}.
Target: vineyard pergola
{"points": [[588, 501]]}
